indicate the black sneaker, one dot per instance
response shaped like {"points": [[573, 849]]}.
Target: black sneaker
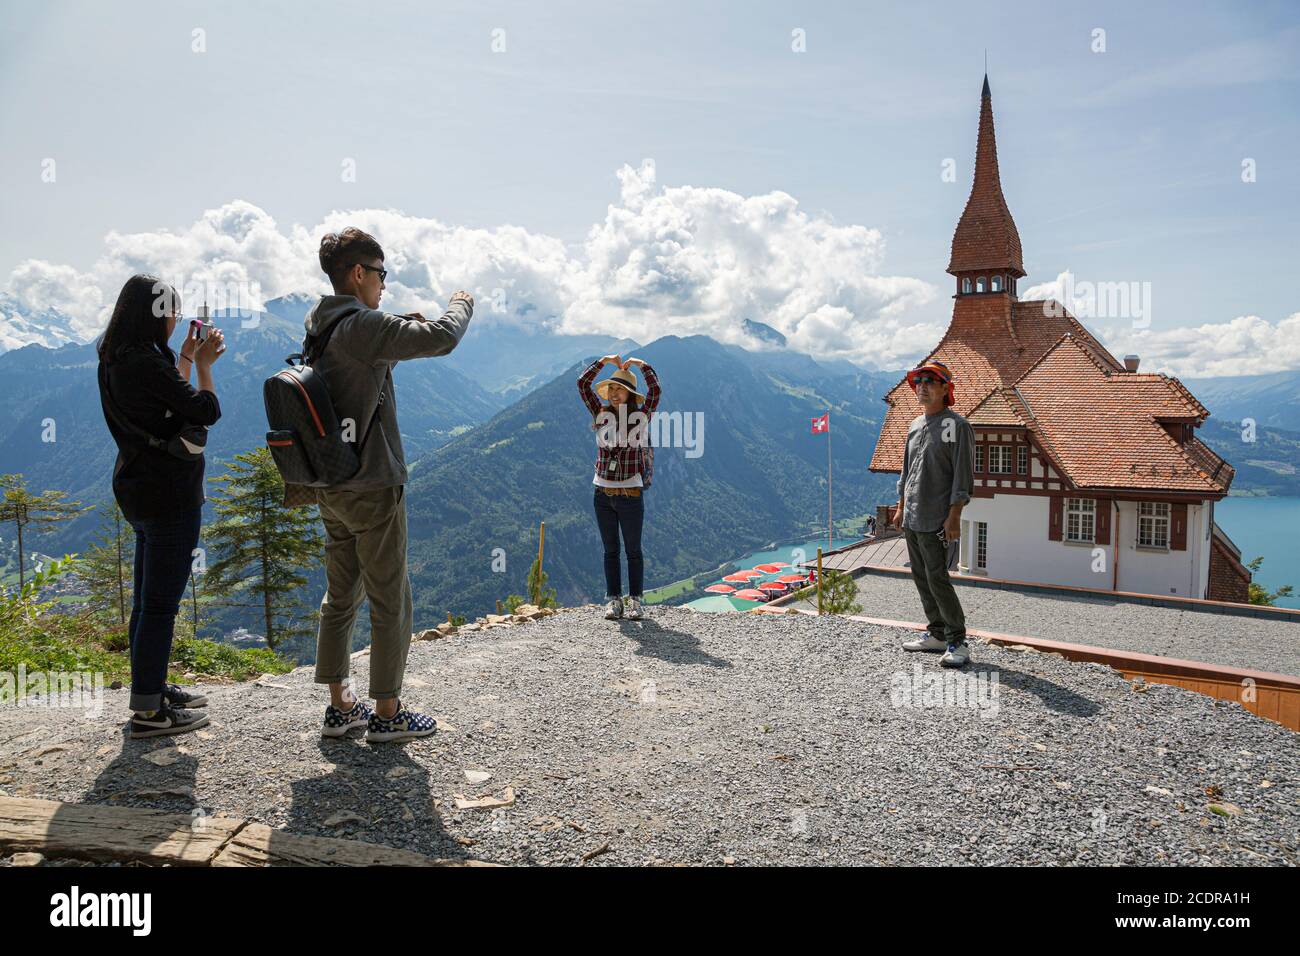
{"points": [[339, 722], [166, 720], [177, 696]]}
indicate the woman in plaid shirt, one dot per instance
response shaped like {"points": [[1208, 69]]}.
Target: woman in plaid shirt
{"points": [[624, 465]]}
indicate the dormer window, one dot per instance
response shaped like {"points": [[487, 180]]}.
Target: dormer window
{"points": [[965, 285], [995, 284], [979, 284]]}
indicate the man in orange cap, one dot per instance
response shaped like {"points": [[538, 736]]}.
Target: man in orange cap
{"points": [[934, 485]]}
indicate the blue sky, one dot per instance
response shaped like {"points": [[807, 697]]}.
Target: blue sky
{"points": [[1123, 165]]}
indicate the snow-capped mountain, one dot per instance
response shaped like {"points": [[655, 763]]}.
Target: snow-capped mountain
{"points": [[293, 306], [21, 326]]}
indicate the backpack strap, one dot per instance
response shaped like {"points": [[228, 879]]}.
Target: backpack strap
{"points": [[313, 347]]}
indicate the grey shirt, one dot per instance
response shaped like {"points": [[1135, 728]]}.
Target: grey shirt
{"points": [[358, 368], [938, 469]]}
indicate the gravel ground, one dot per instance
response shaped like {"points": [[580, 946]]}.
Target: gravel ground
{"points": [[1249, 642], [714, 738]]}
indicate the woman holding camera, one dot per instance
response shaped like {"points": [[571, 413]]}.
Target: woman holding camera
{"points": [[624, 465], [158, 420]]}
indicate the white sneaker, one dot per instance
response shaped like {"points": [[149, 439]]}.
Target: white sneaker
{"points": [[614, 609], [927, 643], [956, 655], [633, 612]]}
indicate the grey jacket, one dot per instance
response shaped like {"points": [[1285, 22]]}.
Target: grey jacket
{"points": [[358, 368], [938, 469]]}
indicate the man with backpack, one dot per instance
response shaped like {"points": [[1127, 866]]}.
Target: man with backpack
{"points": [[353, 348]]}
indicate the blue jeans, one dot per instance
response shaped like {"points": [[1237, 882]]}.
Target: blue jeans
{"points": [[616, 513], [164, 548]]}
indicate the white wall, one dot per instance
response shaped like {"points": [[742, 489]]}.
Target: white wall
{"points": [[1177, 573], [1019, 550]]}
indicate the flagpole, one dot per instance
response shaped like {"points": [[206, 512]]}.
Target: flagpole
{"points": [[830, 521]]}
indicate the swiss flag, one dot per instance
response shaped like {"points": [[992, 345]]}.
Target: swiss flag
{"points": [[822, 424]]}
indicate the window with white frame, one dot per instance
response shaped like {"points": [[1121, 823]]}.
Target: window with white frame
{"points": [[995, 284], [1153, 524], [982, 545], [979, 284], [979, 457], [999, 459], [1080, 519], [1022, 459], [965, 284]]}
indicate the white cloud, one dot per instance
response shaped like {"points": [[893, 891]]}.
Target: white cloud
{"points": [[1246, 345], [684, 260], [680, 260]]}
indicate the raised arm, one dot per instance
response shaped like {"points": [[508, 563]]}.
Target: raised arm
{"points": [[397, 338], [196, 406], [652, 389], [587, 377]]}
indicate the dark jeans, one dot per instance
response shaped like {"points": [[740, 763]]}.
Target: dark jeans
{"points": [[615, 513], [929, 559], [164, 549]]}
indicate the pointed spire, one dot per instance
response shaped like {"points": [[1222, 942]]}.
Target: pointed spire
{"points": [[986, 236]]}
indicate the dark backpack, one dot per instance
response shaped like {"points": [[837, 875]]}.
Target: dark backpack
{"points": [[306, 437]]}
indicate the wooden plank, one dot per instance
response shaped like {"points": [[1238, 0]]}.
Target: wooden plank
{"points": [[259, 845], [102, 833]]}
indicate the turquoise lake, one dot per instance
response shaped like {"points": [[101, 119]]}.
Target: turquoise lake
{"points": [[1268, 527]]}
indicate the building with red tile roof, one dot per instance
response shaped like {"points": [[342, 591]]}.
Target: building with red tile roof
{"points": [[1087, 472]]}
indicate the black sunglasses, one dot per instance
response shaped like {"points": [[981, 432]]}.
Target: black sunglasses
{"points": [[928, 380], [383, 273]]}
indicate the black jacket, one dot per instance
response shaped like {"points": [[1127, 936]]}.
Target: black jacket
{"points": [[150, 393]]}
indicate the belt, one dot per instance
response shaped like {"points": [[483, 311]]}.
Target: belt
{"points": [[630, 492]]}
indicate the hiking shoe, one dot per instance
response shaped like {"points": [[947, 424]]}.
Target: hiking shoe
{"points": [[403, 725], [339, 722], [927, 643], [614, 609], [955, 656], [633, 611], [166, 720], [178, 696]]}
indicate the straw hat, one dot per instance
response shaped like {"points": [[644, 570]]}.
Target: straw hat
{"points": [[623, 376]]}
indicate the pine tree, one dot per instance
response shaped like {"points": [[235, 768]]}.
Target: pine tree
{"points": [[44, 511], [259, 548], [107, 568], [1257, 593], [195, 613], [538, 592]]}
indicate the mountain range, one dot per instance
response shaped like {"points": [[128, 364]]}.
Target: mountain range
{"points": [[20, 326], [498, 441], [758, 474]]}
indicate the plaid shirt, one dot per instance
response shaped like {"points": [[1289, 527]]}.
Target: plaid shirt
{"points": [[622, 461]]}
